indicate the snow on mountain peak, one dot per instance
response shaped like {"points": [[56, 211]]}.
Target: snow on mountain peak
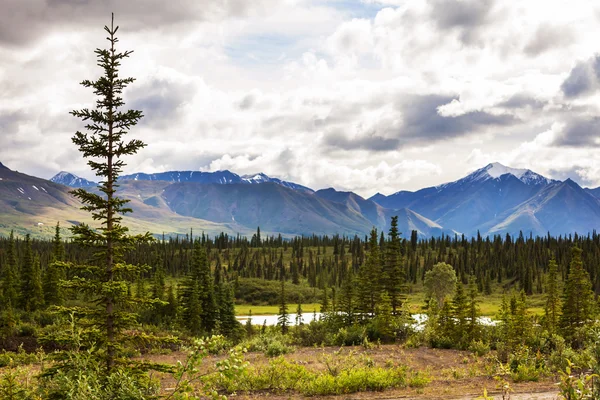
{"points": [[496, 170]]}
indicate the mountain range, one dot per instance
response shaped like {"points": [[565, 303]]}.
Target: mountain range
{"points": [[492, 200]]}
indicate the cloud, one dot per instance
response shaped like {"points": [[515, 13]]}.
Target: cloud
{"points": [[378, 95], [580, 132], [160, 100], [520, 101], [467, 16], [10, 121], [548, 37], [21, 24], [583, 78]]}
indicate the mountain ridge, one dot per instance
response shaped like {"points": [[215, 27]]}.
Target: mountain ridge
{"points": [[491, 200]]}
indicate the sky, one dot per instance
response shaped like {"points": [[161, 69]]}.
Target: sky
{"points": [[364, 95]]}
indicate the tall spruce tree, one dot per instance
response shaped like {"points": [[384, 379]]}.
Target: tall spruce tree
{"points": [[9, 275], [283, 317], [53, 275], [104, 277], [27, 278], [552, 308], [578, 304], [394, 278], [369, 288]]}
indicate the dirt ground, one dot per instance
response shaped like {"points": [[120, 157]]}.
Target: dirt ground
{"points": [[455, 375]]}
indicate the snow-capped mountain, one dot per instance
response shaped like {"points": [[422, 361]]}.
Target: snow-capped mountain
{"points": [[69, 179], [468, 203], [219, 177], [497, 170]]}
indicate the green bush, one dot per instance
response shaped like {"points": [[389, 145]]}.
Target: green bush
{"points": [[259, 292], [271, 343], [479, 347], [352, 336], [526, 366]]}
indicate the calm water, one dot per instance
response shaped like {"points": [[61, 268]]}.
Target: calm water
{"points": [[271, 320]]}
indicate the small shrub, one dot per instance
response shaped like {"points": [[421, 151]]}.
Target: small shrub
{"points": [[419, 380], [479, 347], [26, 329]]}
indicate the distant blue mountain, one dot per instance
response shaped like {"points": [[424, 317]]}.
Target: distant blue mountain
{"points": [[499, 199], [69, 179], [218, 177], [492, 200]]}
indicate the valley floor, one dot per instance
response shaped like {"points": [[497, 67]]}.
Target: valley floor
{"points": [[442, 374]]}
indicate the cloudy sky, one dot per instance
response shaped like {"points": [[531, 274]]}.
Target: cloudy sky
{"points": [[363, 95]]}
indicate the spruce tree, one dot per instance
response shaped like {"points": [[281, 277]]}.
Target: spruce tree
{"points": [[208, 305], [369, 288], [228, 324], [347, 300], [299, 317], [552, 308], [578, 303], [27, 278], [394, 278], [9, 275], [473, 325], [37, 290], [52, 292], [283, 317], [460, 312], [104, 277]]}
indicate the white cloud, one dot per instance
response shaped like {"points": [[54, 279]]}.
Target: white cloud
{"points": [[314, 92]]}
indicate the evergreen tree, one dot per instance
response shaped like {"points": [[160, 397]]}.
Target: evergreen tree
{"points": [[460, 312], [369, 288], [578, 303], [27, 278], [9, 275], [208, 304], [324, 302], [37, 289], [473, 325], [283, 318], [347, 300], [52, 291], [103, 279], [299, 317], [228, 324], [552, 308], [394, 278]]}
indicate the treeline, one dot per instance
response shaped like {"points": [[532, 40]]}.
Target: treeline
{"points": [[324, 261]]}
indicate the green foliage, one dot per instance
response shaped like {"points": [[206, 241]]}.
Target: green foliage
{"points": [[578, 305], [105, 277], [194, 382], [440, 282], [343, 374], [197, 295], [526, 365], [369, 287], [552, 308], [479, 347], [265, 292], [16, 385], [270, 343], [576, 387], [9, 275], [393, 277], [283, 317]]}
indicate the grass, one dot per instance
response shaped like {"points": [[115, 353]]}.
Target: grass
{"points": [[489, 306], [244, 309]]}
